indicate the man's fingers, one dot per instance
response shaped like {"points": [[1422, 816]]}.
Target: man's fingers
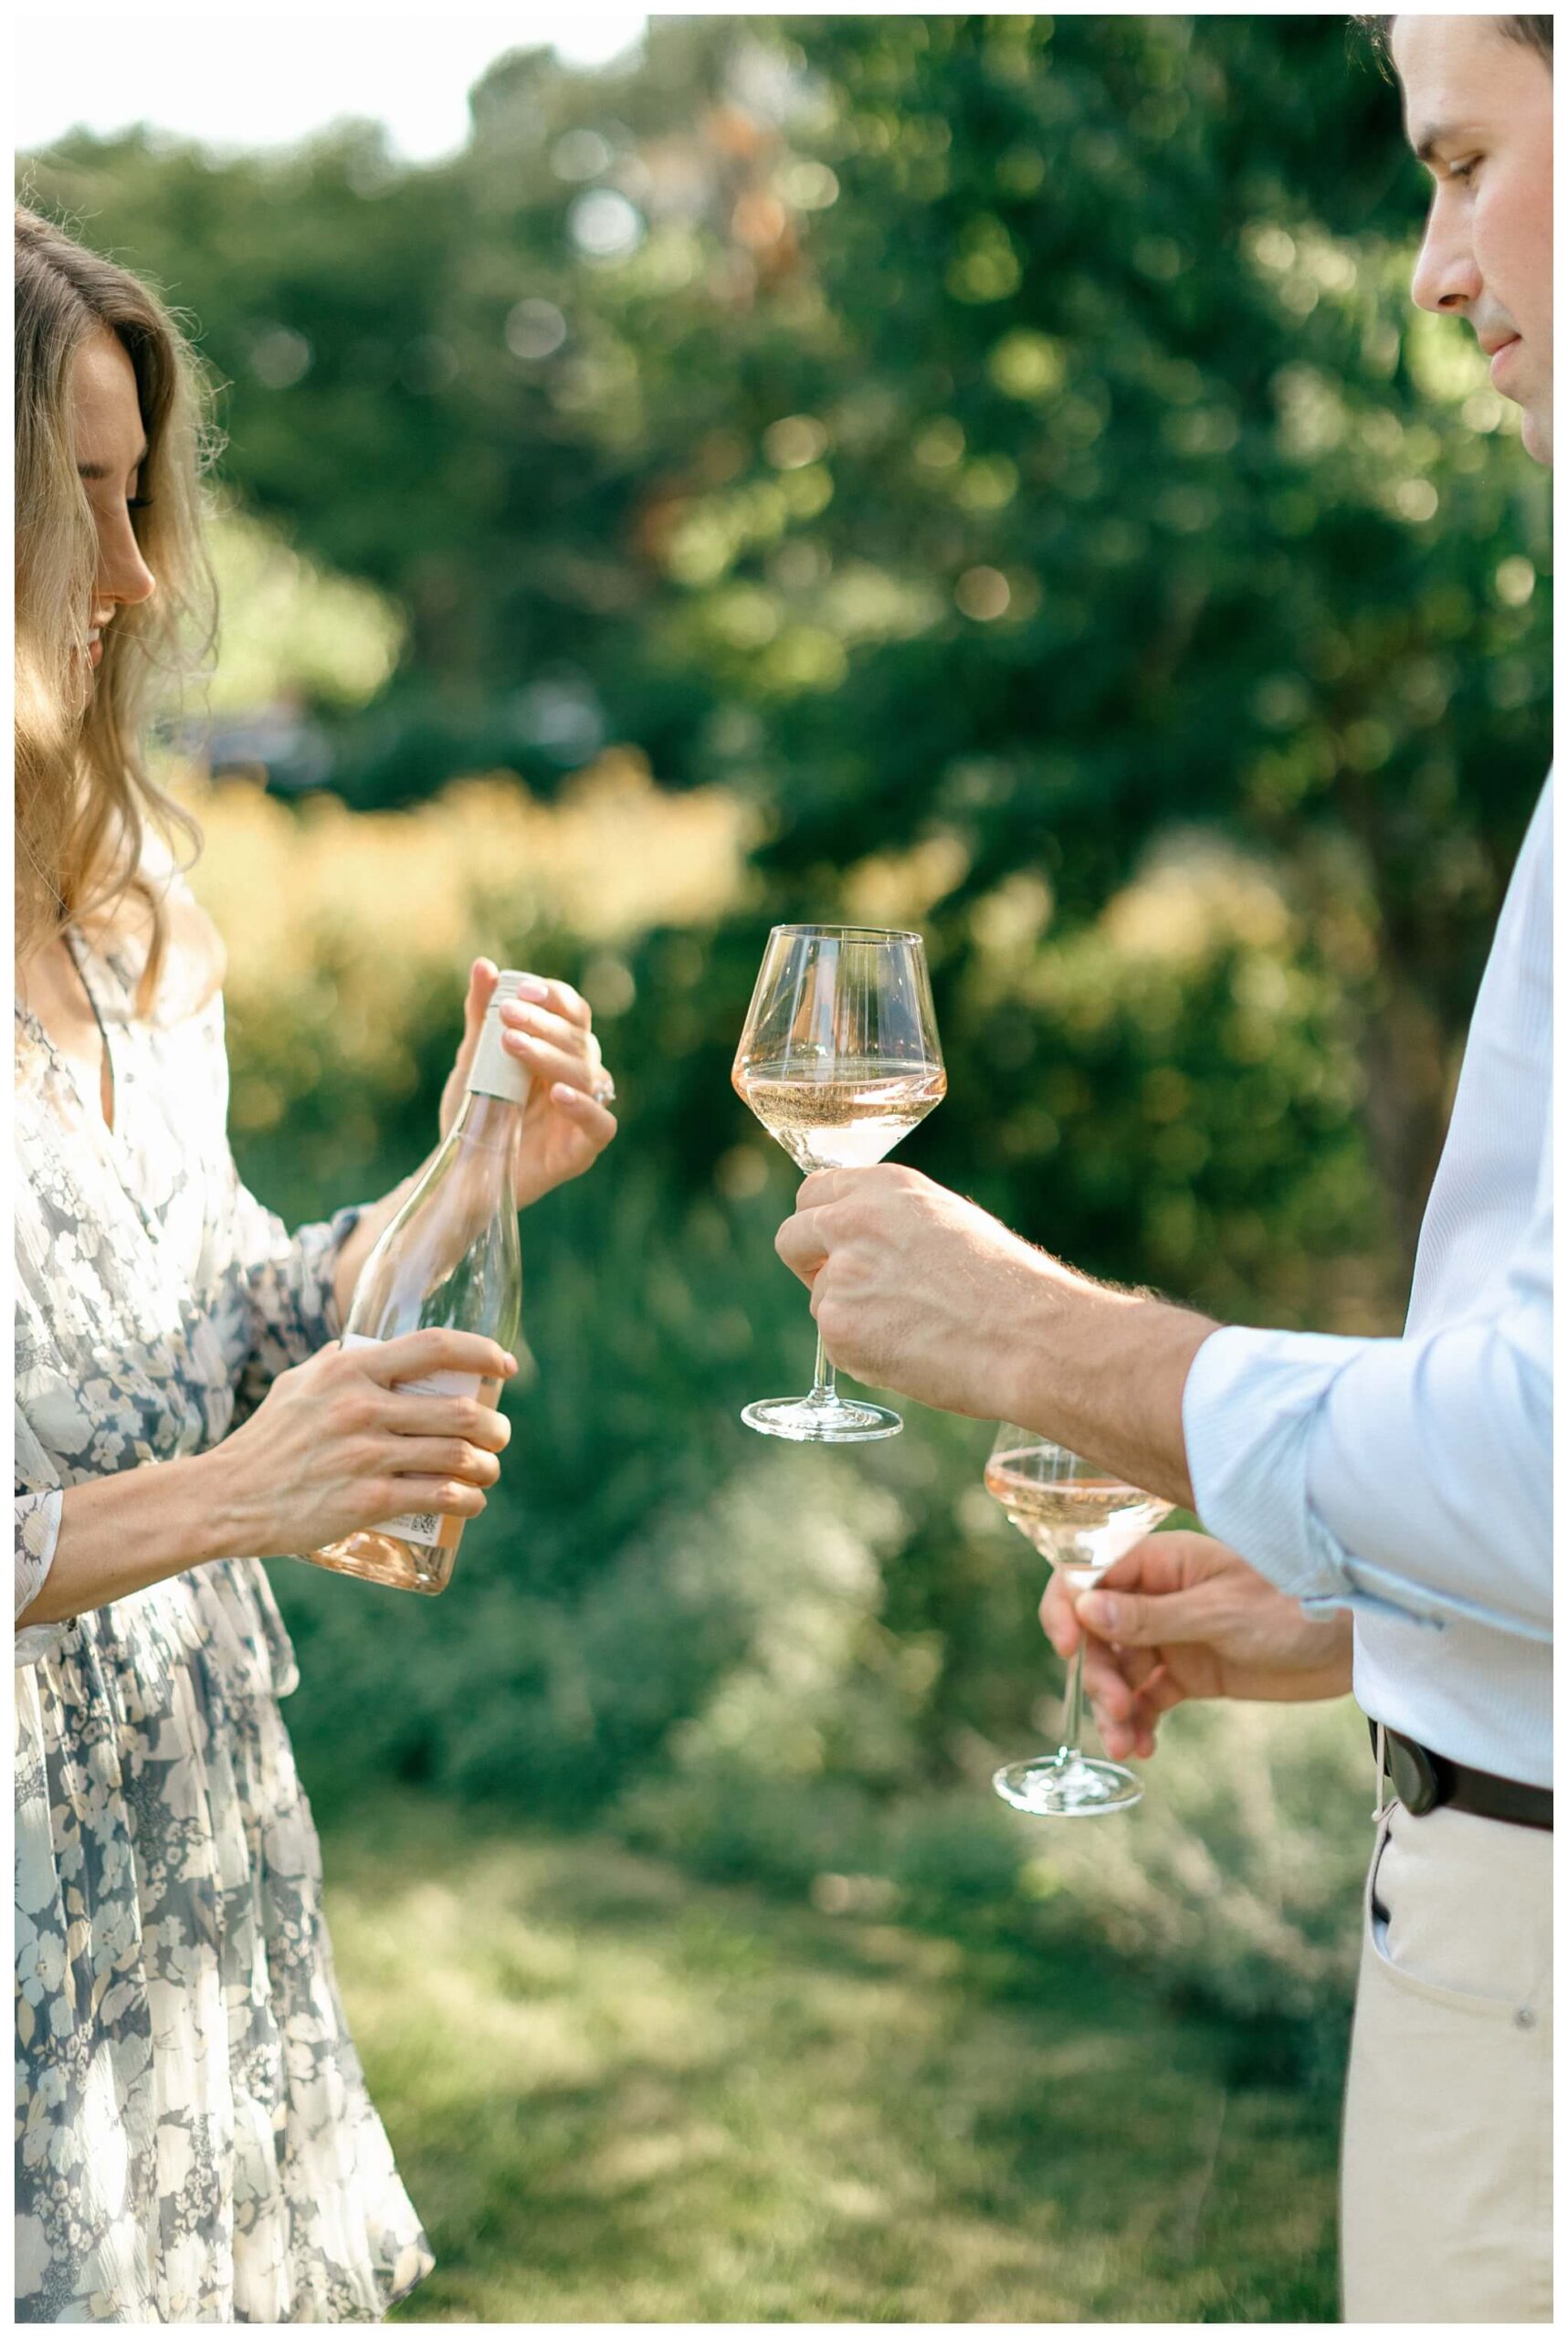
{"points": [[1136, 1664], [1134, 1620], [800, 1242], [821, 1186], [1120, 1738], [1057, 1620], [1162, 1563], [1129, 1733], [1105, 1678], [1160, 1694]]}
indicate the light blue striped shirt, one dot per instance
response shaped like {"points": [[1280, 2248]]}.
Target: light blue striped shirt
{"points": [[1410, 1480]]}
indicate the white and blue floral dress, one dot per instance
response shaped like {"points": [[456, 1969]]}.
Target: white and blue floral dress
{"points": [[193, 2138]]}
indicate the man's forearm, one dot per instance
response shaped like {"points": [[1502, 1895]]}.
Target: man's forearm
{"points": [[1103, 1372]]}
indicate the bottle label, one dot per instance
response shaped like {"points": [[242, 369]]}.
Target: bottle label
{"points": [[420, 1525]]}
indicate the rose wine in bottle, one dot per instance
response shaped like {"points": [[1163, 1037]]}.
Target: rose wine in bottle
{"points": [[450, 1257]]}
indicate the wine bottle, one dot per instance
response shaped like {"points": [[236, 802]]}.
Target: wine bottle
{"points": [[450, 1257]]}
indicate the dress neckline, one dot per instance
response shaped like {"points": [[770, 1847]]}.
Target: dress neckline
{"points": [[77, 944]]}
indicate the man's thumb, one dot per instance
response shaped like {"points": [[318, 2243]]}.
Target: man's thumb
{"points": [[1130, 1618]]}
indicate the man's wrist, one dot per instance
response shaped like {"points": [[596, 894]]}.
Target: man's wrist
{"points": [[1026, 1361], [1103, 1372]]}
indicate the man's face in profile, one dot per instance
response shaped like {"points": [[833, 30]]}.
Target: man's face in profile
{"points": [[1477, 109]]}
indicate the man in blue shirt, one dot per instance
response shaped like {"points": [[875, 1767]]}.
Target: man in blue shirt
{"points": [[1380, 1509]]}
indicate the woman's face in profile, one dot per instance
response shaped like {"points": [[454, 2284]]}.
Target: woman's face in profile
{"points": [[110, 446]]}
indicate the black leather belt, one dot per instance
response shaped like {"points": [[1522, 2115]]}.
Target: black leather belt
{"points": [[1425, 1781]]}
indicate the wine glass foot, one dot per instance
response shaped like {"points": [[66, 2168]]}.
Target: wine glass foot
{"points": [[1067, 1785], [811, 1420]]}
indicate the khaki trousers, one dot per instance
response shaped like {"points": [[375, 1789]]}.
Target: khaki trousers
{"points": [[1446, 2208]]}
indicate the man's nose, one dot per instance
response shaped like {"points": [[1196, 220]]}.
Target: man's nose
{"points": [[1447, 279]]}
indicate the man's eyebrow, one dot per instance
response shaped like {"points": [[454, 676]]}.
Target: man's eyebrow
{"points": [[1441, 133], [105, 470]]}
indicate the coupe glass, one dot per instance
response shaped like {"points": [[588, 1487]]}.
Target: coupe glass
{"points": [[839, 1060], [1083, 1520]]}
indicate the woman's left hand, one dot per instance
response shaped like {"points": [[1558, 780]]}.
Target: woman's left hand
{"points": [[549, 1030]]}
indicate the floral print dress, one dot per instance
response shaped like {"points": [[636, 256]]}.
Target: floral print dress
{"points": [[193, 2138]]}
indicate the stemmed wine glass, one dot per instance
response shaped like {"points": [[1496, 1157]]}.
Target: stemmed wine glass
{"points": [[839, 1060], [1083, 1520]]}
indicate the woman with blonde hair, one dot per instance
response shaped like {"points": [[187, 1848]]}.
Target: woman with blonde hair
{"points": [[195, 2140]]}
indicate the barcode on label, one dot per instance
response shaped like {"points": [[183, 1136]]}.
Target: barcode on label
{"points": [[419, 1526]]}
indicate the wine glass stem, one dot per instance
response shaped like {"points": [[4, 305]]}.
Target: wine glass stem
{"points": [[1072, 1719], [824, 1383]]}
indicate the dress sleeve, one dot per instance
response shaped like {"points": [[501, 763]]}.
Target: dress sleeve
{"points": [[37, 1531], [290, 1304]]}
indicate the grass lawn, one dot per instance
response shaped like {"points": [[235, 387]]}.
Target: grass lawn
{"points": [[620, 2095]]}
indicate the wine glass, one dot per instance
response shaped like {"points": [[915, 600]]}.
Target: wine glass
{"points": [[839, 1060], [1083, 1520]]}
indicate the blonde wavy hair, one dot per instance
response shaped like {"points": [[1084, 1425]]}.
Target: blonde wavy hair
{"points": [[84, 798]]}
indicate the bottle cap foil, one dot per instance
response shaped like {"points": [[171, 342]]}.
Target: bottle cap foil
{"points": [[493, 1071]]}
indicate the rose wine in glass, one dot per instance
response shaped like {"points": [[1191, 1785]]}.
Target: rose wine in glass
{"points": [[839, 1060], [1083, 1520]]}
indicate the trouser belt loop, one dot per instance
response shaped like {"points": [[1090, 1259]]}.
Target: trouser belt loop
{"points": [[1385, 1797]]}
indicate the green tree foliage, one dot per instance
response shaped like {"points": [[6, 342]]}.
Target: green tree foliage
{"points": [[1002, 432]]}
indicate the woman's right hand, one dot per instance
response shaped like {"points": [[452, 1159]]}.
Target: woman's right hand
{"points": [[336, 1447], [1180, 1616]]}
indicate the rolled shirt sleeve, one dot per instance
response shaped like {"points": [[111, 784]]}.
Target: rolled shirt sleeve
{"points": [[1411, 1475]]}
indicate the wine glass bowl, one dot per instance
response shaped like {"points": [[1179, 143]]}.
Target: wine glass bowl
{"points": [[839, 1059], [1082, 1519]]}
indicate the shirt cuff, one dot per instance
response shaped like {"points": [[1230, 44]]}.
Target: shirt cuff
{"points": [[1251, 1404]]}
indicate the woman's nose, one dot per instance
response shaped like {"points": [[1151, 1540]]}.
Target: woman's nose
{"points": [[124, 575]]}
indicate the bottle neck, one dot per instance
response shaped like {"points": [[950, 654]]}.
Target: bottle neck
{"points": [[490, 1120]]}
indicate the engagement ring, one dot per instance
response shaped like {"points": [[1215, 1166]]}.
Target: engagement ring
{"points": [[604, 1090]]}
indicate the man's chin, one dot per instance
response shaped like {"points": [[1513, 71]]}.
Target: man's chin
{"points": [[1535, 431]]}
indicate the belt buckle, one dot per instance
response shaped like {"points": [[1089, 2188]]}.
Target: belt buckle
{"points": [[1407, 1772], [1413, 1775]]}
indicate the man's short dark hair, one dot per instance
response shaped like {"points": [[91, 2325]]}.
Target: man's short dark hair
{"points": [[1531, 32]]}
